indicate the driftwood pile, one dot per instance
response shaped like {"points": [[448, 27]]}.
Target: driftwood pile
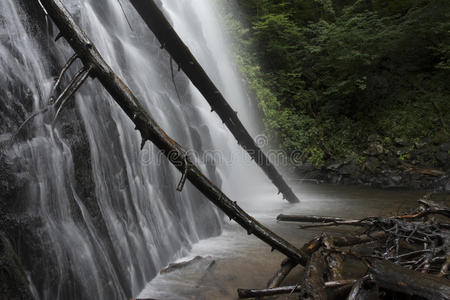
{"points": [[402, 257]]}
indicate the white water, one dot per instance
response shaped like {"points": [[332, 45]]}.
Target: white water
{"points": [[108, 244]]}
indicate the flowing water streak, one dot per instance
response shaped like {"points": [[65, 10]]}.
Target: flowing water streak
{"points": [[108, 218]]}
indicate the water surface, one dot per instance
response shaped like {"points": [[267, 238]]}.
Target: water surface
{"points": [[235, 259]]}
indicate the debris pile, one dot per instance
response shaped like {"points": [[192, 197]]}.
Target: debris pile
{"points": [[402, 256]]}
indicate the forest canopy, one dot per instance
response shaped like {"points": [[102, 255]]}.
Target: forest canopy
{"points": [[327, 74]]}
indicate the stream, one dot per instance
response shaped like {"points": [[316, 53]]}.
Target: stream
{"points": [[235, 260]]}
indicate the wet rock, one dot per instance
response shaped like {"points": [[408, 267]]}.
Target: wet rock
{"points": [[306, 168], [445, 147], [396, 178], [316, 175], [375, 149], [13, 280], [392, 161], [334, 166], [336, 179], [401, 141], [350, 169], [374, 138], [176, 266], [420, 144], [372, 164], [443, 157], [402, 151]]}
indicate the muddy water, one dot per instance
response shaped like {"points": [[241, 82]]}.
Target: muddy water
{"points": [[235, 259]]}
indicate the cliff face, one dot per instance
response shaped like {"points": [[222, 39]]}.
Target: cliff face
{"points": [[82, 215], [25, 244]]}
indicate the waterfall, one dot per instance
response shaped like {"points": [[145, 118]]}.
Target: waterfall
{"points": [[91, 215]]}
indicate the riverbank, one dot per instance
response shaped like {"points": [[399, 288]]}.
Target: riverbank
{"points": [[386, 164]]}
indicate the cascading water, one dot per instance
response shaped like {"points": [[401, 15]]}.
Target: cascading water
{"points": [[90, 215]]}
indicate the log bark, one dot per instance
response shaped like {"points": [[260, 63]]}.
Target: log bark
{"points": [[169, 39], [288, 264], [399, 279], [364, 289], [286, 267], [335, 261], [312, 219], [313, 287], [254, 293], [150, 131]]}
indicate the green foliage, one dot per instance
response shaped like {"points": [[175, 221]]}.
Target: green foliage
{"points": [[328, 73]]}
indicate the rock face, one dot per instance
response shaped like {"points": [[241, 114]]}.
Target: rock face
{"points": [[82, 211], [389, 164], [13, 280]]}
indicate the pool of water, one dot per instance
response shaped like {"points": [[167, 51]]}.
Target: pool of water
{"points": [[236, 260]]}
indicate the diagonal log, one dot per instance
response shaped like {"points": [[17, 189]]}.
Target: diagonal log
{"points": [[288, 264], [169, 39], [149, 130]]}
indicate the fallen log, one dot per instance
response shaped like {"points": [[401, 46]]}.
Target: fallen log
{"points": [[298, 218], [169, 39], [412, 258], [150, 131], [286, 267], [335, 261], [288, 264], [313, 286], [254, 293], [394, 277]]}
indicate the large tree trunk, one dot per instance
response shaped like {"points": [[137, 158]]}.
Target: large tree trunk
{"points": [[149, 130], [170, 40]]}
